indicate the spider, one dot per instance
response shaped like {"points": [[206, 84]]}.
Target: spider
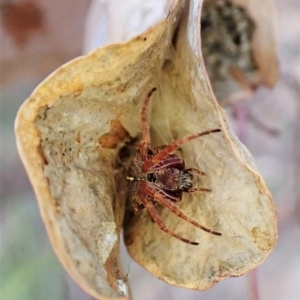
{"points": [[159, 177]]}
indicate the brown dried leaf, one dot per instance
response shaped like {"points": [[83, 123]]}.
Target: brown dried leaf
{"points": [[73, 130]]}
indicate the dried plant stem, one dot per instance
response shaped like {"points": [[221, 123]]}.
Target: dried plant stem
{"points": [[254, 285]]}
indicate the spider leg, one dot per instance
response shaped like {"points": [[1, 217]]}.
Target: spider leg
{"points": [[157, 219], [196, 171], [145, 142], [169, 205], [170, 148], [172, 161], [199, 189]]}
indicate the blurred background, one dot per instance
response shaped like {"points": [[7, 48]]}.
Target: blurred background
{"points": [[38, 36]]}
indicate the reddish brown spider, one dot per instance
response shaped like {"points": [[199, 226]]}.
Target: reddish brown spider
{"points": [[158, 176]]}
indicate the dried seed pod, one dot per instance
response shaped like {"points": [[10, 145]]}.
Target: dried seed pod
{"points": [[239, 205], [239, 47], [73, 135]]}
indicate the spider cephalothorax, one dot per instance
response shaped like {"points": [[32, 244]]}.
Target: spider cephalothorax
{"points": [[160, 176]]}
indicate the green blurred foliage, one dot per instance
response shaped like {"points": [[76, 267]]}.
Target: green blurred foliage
{"points": [[28, 267]]}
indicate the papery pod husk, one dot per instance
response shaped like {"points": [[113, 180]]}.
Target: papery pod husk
{"points": [[74, 134], [239, 47], [239, 206]]}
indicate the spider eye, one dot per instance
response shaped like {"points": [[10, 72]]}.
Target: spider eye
{"points": [[187, 180], [150, 152], [189, 185], [188, 176], [151, 177]]}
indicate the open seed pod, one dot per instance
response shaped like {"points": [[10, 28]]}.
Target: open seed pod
{"points": [[75, 135], [239, 47]]}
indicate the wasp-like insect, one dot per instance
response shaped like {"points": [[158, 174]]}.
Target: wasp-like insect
{"points": [[160, 176]]}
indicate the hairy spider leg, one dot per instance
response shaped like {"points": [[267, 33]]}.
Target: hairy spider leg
{"points": [[163, 200], [198, 189], [145, 142], [173, 161], [193, 170], [170, 148], [157, 219]]}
